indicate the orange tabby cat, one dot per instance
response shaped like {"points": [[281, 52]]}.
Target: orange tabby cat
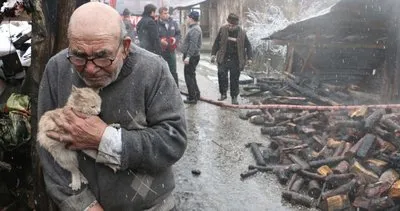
{"points": [[84, 100]]}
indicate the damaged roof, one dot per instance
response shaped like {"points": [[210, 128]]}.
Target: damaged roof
{"points": [[349, 21]]}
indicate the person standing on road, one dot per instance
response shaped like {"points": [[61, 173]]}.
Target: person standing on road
{"points": [[231, 48], [170, 35], [147, 30], [191, 56], [126, 17]]}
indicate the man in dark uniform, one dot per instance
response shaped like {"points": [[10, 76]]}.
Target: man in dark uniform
{"points": [[231, 50], [170, 35]]}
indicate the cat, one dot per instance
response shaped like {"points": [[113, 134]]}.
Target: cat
{"points": [[84, 100]]}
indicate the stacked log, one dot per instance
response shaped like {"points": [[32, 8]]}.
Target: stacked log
{"points": [[331, 160]]}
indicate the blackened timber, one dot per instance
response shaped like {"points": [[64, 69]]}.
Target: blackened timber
{"points": [[310, 93], [274, 131], [248, 173], [305, 117], [329, 161], [373, 119], [343, 189], [297, 185], [366, 146], [392, 125], [314, 189], [257, 153], [290, 149], [311, 175], [297, 198], [298, 160]]}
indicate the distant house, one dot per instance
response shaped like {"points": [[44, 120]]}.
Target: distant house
{"points": [[353, 45]]}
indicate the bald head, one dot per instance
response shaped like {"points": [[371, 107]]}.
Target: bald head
{"points": [[94, 19]]}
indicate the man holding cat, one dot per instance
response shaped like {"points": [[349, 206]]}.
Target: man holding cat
{"points": [[141, 130]]}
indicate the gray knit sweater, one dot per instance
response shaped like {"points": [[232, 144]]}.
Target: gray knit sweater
{"points": [[192, 42], [147, 104]]}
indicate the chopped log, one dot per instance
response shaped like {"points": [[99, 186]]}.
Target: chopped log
{"points": [[257, 153], [328, 161], [343, 189], [274, 131], [310, 93], [367, 144], [314, 189], [297, 185], [373, 119], [304, 165], [297, 198]]}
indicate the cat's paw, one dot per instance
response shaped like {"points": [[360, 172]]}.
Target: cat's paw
{"points": [[84, 180], [75, 185]]}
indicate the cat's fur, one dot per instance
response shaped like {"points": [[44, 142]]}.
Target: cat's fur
{"points": [[84, 100]]}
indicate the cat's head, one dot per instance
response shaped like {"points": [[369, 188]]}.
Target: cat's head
{"points": [[85, 100]]}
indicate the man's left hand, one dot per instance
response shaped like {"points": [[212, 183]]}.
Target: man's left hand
{"points": [[81, 132], [186, 60]]}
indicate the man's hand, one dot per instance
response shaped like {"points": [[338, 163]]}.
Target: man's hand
{"points": [[173, 40], [186, 60], [96, 207], [164, 42], [213, 59], [81, 132]]}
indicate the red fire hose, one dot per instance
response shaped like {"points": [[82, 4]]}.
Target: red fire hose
{"points": [[295, 107]]}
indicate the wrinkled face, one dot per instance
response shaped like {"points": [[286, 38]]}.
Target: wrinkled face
{"points": [[98, 51], [164, 15]]}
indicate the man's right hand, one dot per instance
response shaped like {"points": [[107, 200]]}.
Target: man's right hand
{"points": [[164, 42], [213, 59], [96, 207]]}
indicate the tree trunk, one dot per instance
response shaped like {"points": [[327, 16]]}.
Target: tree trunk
{"points": [[49, 37]]}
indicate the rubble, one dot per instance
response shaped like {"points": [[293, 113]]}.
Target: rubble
{"points": [[327, 159]]}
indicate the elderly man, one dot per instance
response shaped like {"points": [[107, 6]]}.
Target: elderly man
{"points": [[231, 49], [141, 130]]}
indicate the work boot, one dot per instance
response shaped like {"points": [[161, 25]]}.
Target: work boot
{"points": [[235, 101], [223, 97]]}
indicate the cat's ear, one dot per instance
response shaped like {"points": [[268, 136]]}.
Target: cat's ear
{"points": [[74, 88]]}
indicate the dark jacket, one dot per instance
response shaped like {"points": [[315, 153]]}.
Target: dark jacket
{"points": [[147, 31], [244, 50], [147, 104], [173, 29]]}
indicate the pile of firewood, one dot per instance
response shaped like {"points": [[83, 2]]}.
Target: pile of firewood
{"points": [[331, 160]]}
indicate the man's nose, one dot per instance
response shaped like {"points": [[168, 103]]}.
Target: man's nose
{"points": [[90, 67]]}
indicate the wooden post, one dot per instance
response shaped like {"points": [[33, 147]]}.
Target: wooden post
{"points": [[289, 58]]}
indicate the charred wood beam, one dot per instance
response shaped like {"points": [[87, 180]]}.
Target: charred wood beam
{"points": [[310, 93]]}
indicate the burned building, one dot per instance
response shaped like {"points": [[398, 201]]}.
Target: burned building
{"points": [[349, 52]]}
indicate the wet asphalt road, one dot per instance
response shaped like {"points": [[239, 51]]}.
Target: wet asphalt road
{"points": [[216, 147]]}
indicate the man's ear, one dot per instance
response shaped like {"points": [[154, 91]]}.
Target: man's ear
{"points": [[127, 44]]}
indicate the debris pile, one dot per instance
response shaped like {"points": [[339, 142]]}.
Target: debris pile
{"points": [[332, 160]]}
